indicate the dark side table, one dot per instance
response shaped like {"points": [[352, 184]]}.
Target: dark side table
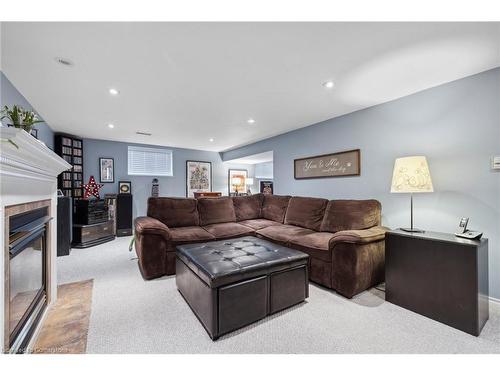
{"points": [[440, 276]]}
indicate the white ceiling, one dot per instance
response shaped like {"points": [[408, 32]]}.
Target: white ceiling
{"points": [[188, 82]]}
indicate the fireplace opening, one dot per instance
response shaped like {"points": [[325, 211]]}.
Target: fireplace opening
{"points": [[27, 279]]}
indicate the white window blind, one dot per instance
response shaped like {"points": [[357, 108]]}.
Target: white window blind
{"points": [[146, 161]]}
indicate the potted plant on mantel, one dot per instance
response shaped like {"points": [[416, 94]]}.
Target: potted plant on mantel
{"points": [[19, 118]]}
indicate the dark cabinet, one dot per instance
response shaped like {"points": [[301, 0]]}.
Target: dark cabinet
{"points": [[94, 234], [440, 276]]}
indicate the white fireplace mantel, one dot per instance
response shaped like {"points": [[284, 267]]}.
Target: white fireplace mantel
{"points": [[30, 159], [28, 173]]}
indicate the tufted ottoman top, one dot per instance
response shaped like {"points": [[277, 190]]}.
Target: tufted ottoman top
{"points": [[227, 261]]}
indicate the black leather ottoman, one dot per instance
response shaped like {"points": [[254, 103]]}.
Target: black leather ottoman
{"points": [[231, 283]]}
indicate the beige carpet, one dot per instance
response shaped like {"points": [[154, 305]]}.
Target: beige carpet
{"points": [[131, 315], [66, 327]]}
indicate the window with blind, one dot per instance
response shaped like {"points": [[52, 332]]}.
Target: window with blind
{"points": [[146, 161]]}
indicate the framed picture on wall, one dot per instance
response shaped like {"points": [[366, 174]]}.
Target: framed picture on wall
{"points": [[237, 181], [125, 187], [106, 170], [266, 187], [338, 164], [198, 177]]}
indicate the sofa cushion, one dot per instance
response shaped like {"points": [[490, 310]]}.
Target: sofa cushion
{"points": [[248, 207], [317, 245], [190, 234], [274, 207], [283, 233], [216, 210], [228, 230], [258, 223], [306, 212], [351, 214], [174, 212]]}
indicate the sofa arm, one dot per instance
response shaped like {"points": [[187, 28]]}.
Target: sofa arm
{"points": [[152, 244], [358, 258], [148, 225], [359, 236]]}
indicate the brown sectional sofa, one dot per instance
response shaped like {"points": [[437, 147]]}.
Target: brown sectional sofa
{"points": [[343, 238]]}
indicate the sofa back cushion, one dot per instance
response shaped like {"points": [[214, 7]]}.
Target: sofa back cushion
{"points": [[248, 207], [351, 215], [306, 212], [216, 210], [274, 207], [174, 212]]}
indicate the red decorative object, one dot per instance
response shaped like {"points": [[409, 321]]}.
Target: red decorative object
{"points": [[92, 188]]}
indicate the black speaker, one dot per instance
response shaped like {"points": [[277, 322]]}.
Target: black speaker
{"points": [[63, 226], [123, 215]]}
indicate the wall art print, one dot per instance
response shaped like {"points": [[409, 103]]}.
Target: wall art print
{"points": [[338, 164], [198, 177]]}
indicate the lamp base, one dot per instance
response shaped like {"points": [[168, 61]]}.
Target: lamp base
{"points": [[413, 230]]}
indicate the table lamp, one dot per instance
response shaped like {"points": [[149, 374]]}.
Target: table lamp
{"points": [[411, 175], [249, 182], [236, 181]]}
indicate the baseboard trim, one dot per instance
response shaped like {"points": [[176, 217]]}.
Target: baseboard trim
{"points": [[494, 300]]}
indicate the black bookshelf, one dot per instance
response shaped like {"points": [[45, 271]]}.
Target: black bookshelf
{"points": [[70, 148]]}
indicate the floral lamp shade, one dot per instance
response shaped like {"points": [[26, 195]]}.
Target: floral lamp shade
{"points": [[411, 175], [236, 181]]}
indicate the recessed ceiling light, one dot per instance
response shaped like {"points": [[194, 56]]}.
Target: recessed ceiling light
{"points": [[251, 121], [114, 91], [328, 84], [211, 140], [111, 126], [64, 61]]}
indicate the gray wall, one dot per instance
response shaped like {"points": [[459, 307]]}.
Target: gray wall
{"points": [[264, 171], [174, 186], [10, 96], [456, 125]]}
